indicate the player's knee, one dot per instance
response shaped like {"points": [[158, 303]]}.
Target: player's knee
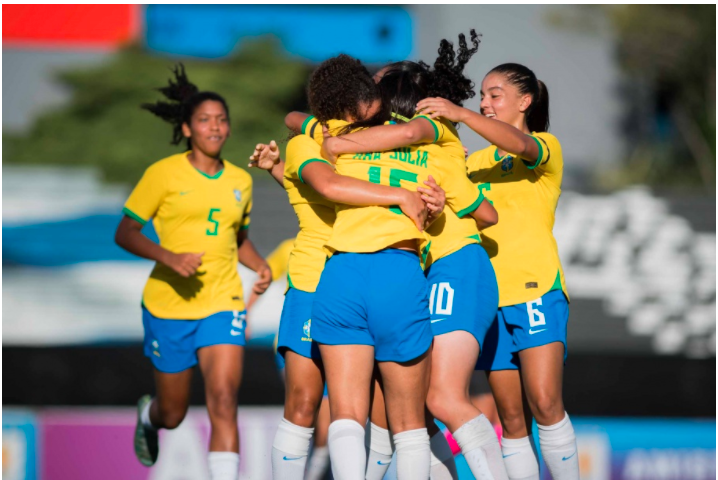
{"points": [[172, 418], [222, 402], [440, 405], [513, 420], [302, 409], [547, 408]]}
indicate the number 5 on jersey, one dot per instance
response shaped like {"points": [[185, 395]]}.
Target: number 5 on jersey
{"points": [[212, 231]]}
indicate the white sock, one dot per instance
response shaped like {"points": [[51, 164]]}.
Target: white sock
{"points": [[145, 417], [346, 450], [481, 449], [223, 465], [379, 451], [443, 466], [290, 450], [559, 449], [413, 455], [317, 463], [520, 458]]}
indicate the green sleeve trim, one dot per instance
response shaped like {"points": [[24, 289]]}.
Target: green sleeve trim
{"points": [[244, 227], [133, 215], [540, 155], [471, 207], [311, 160], [433, 124], [306, 122], [497, 157]]}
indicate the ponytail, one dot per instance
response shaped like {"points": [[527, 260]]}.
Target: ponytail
{"points": [[183, 97], [524, 79]]}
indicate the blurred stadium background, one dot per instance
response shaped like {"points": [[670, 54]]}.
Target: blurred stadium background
{"points": [[632, 99]]}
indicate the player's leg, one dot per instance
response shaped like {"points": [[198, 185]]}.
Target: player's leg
{"points": [[540, 328], [303, 395], [464, 304], [304, 386], [169, 345], [348, 371], [517, 443], [378, 441], [339, 325], [318, 461]]}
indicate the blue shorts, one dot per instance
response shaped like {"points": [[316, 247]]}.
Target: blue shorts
{"points": [[464, 293], [518, 327], [295, 325], [172, 344], [378, 299]]}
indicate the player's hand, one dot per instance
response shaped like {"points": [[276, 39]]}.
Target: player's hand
{"points": [[415, 208], [434, 196], [185, 264], [265, 156], [327, 145], [440, 107], [466, 152], [264, 279]]}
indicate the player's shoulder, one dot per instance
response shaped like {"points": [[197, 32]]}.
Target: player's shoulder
{"points": [[482, 156], [548, 138], [235, 171], [168, 163]]}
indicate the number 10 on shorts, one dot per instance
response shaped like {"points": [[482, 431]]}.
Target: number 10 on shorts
{"points": [[444, 296]]}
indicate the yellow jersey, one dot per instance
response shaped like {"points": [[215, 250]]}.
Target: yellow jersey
{"points": [[193, 213], [455, 228], [278, 260], [521, 246], [315, 214]]}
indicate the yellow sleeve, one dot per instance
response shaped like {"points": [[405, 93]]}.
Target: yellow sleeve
{"points": [[313, 129], [301, 151], [462, 196], [550, 158], [148, 195], [247, 211]]}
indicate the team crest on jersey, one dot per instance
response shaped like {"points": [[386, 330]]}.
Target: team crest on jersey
{"points": [[238, 195], [307, 330], [508, 163]]}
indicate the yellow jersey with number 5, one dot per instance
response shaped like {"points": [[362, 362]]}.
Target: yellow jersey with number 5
{"points": [[521, 246], [193, 213]]}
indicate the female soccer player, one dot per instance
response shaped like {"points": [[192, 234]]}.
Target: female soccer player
{"points": [[464, 295], [340, 88], [521, 172], [192, 305]]}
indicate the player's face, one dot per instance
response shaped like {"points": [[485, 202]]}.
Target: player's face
{"points": [[209, 127], [501, 100]]}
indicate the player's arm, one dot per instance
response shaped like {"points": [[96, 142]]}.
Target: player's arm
{"points": [[295, 121], [485, 215], [319, 174], [503, 135], [266, 157], [129, 236], [381, 138], [250, 258]]}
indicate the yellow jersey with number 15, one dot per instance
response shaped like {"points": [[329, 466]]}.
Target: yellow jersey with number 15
{"points": [[521, 246], [193, 213]]}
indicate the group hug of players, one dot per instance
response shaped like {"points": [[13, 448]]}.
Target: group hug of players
{"points": [[414, 265]]}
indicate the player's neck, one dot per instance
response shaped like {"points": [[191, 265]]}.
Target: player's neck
{"points": [[205, 163]]}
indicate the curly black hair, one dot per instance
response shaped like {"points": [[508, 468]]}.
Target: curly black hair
{"points": [[183, 99], [405, 83], [340, 87]]}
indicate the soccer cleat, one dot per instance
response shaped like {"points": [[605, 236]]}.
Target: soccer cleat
{"points": [[146, 442]]}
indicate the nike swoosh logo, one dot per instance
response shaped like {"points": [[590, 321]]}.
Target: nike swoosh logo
{"points": [[290, 459], [566, 458], [531, 332], [438, 320], [234, 333], [185, 193], [511, 454], [379, 463]]}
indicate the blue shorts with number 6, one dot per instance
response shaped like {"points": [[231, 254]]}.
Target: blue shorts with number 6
{"points": [[378, 299], [518, 327], [464, 294], [172, 344]]}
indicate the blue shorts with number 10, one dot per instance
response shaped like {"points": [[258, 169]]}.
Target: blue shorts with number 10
{"points": [[464, 293], [526, 325], [378, 299]]}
